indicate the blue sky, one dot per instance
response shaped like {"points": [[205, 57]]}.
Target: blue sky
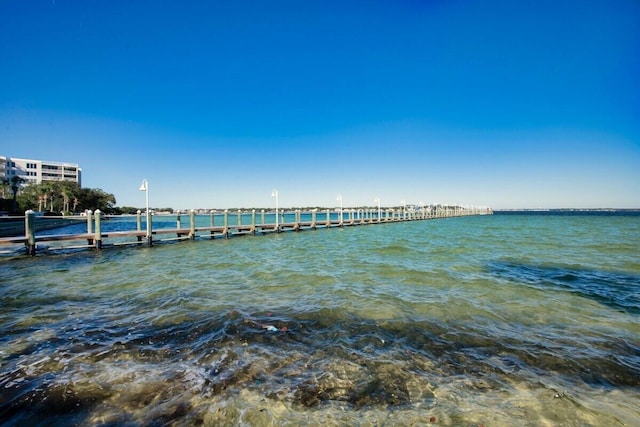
{"points": [[501, 103]]}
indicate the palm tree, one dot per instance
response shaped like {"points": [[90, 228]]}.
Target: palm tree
{"points": [[4, 186], [16, 181], [65, 201], [48, 191]]}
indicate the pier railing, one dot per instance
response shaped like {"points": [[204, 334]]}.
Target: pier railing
{"points": [[221, 224]]}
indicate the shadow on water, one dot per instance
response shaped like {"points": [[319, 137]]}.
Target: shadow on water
{"points": [[307, 359], [620, 291]]}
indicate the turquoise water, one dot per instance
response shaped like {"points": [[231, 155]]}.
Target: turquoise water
{"points": [[495, 320]]}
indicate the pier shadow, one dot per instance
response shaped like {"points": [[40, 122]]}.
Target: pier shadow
{"points": [[619, 291]]}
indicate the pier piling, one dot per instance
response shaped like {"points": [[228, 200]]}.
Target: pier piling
{"points": [[139, 224], [89, 214], [30, 230], [98, 233], [253, 221], [192, 224], [225, 230]]}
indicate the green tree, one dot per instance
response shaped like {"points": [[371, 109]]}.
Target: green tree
{"points": [[65, 196], [95, 198], [16, 182], [4, 187]]}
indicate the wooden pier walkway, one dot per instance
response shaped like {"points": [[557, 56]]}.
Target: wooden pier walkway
{"points": [[95, 238]]}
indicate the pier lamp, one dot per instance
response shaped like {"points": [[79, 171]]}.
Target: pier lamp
{"points": [[404, 208], [145, 187], [339, 198], [274, 193], [377, 200]]}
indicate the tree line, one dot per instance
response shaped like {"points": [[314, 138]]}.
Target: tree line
{"points": [[58, 197]]}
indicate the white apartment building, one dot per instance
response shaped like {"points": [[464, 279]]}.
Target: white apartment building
{"points": [[39, 171]]}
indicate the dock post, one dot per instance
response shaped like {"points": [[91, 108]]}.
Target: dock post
{"points": [[296, 221], [89, 221], [262, 216], [212, 221], [313, 219], [225, 231], [253, 221], [98, 233], [178, 223], [89, 225], [30, 231], [139, 224], [328, 218], [149, 228], [192, 224]]}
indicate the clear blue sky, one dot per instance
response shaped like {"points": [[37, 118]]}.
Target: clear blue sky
{"points": [[510, 104]]}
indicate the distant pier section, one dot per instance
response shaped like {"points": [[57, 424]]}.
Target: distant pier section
{"points": [[212, 225]]}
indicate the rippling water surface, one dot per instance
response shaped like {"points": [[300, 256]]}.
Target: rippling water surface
{"points": [[492, 320]]}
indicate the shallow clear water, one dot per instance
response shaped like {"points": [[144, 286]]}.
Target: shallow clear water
{"points": [[493, 320]]}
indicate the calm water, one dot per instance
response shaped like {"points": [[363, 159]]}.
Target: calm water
{"points": [[500, 320]]}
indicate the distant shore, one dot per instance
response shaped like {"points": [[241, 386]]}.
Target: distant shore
{"points": [[570, 211]]}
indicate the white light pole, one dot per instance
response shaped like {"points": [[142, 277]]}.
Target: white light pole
{"points": [[145, 187], [404, 209], [377, 199], [274, 193], [340, 200]]}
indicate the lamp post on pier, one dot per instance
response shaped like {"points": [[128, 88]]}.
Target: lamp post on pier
{"points": [[274, 193], [340, 200], [145, 187], [377, 200]]}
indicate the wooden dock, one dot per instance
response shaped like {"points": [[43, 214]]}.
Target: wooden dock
{"points": [[95, 238]]}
